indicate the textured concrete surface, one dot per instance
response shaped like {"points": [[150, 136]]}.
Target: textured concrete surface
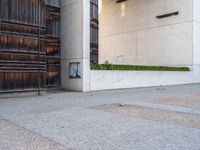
{"points": [[133, 35], [72, 120], [13, 137], [185, 100], [155, 114]]}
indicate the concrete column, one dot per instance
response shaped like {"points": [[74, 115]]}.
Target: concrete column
{"points": [[75, 46]]}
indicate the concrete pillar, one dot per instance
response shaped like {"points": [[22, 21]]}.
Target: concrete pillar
{"points": [[75, 44]]}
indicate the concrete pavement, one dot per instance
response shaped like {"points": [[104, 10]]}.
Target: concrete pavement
{"points": [[13, 137], [160, 118]]}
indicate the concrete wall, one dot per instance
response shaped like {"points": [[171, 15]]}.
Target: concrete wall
{"points": [[130, 33], [196, 33], [136, 34], [75, 31], [104, 80]]}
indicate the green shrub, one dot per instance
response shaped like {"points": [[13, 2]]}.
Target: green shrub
{"points": [[109, 66]]}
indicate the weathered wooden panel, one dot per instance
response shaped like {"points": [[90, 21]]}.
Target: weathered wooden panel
{"points": [[52, 45], [29, 35]]}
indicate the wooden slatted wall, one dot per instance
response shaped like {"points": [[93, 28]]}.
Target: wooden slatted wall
{"points": [[25, 46]]}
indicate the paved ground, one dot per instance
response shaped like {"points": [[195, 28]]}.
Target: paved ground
{"points": [[166, 118], [14, 137]]}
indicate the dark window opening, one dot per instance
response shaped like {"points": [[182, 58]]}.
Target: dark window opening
{"points": [[94, 31]]}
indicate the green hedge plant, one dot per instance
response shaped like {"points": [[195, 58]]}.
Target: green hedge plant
{"points": [[109, 66]]}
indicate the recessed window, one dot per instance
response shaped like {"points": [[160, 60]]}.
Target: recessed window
{"points": [[168, 15], [119, 1]]}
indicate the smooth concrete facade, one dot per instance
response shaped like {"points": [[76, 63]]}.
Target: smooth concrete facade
{"points": [[130, 32], [75, 31], [196, 33], [104, 80], [149, 41]]}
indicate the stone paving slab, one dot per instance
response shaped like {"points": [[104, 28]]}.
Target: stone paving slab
{"points": [[156, 114], [13, 137], [166, 107], [191, 100]]}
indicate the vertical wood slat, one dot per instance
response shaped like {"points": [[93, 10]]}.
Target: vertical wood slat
{"points": [[23, 19], [19, 44], [53, 43]]}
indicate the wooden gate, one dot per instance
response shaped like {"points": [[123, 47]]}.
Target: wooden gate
{"points": [[29, 45]]}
